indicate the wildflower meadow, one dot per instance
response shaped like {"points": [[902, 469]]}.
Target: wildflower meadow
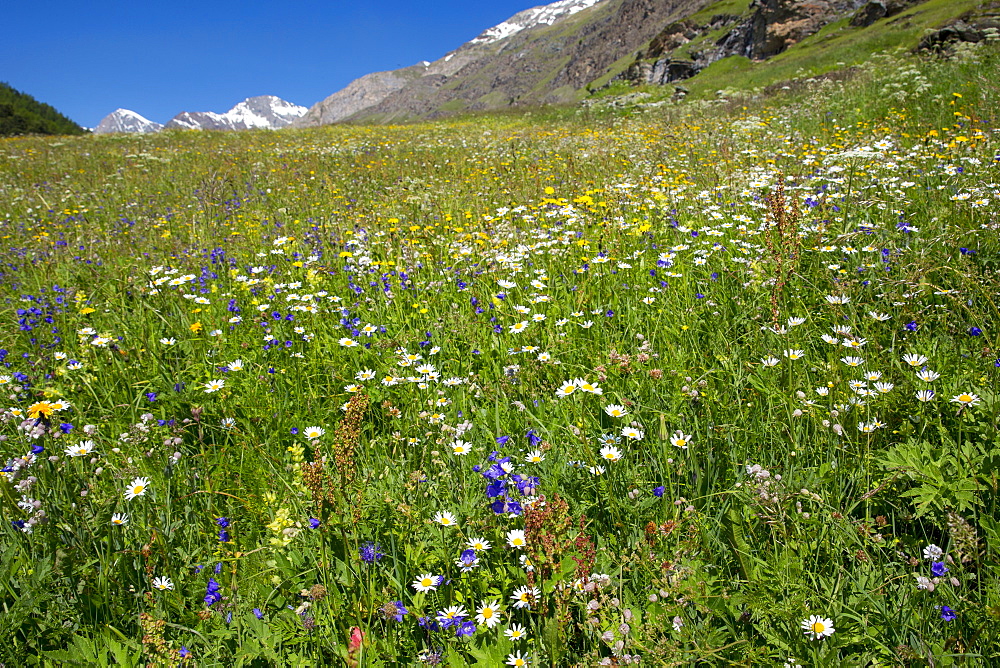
{"points": [[698, 383]]}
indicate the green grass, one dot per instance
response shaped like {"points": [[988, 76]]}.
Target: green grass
{"points": [[619, 66], [695, 266], [835, 46], [723, 7]]}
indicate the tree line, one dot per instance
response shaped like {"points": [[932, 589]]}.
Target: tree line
{"points": [[21, 114]]}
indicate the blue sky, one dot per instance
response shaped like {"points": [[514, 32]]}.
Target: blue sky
{"points": [[89, 58]]}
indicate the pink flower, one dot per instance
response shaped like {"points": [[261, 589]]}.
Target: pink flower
{"points": [[357, 637]]}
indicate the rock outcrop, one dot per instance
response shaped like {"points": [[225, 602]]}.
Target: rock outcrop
{"points": [[874, 10], [684, 48], [971, 29]]}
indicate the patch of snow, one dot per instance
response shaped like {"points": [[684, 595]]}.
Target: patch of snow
{"points": [[265, 111], [126, 120], [529, 18]]}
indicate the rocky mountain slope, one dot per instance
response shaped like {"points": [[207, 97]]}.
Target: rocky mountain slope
{"points": [[126, 121], [763, 29], [543, 64], [543, 54], [362, 95], [561, 52]]}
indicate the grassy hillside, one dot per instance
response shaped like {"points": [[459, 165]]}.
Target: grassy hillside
{"points": [[702, 384], [21, 114], [834, 47]]}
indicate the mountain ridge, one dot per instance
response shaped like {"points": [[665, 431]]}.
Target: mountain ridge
{"points": [[262, 111], [126, 121]]}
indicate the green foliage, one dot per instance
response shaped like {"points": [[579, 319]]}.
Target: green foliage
{"points": [[21, 114], [945, 476]]}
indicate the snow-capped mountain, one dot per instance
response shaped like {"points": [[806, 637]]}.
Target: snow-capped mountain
{"points": [[125, 120], [263, 111], [529, 18]]}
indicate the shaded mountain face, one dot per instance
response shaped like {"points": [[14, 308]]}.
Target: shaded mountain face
{"points": [[543, 54], [198, 120], [263, 111], [543, 64], [125, 121], [362, 93]]}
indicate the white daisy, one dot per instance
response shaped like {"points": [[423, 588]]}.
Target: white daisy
{"points": [[966, 399], [680, 439], [137, 487], [214, 385], [817, 627], [478, 544], [566, 389], [445, 519], [611, 453], [427, 582], [312, 433], [489, 614], [523, 597], [81, 449]]}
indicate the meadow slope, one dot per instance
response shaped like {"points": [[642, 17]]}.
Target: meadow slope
{"points": [[710, 383]]}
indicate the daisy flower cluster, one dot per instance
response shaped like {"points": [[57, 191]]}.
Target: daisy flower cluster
{"points": [[283, 391]]}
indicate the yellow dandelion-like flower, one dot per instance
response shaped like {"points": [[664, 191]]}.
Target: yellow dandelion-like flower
{"points": [[41, 409]]}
